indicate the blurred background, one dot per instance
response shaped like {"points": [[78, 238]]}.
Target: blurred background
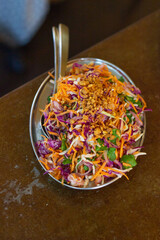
{"points": [[26, 48]]}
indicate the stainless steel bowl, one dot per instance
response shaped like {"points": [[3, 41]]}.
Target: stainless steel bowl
{"points": [[40, 100]]}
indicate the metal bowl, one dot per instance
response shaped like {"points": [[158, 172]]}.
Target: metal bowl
{"points": [[40, 100]]}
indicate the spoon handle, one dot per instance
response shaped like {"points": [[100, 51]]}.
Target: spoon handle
{"points": [[56, 59], [63, 48]]}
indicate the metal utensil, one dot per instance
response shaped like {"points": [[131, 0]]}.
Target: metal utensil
{"points": [[61, 46]]}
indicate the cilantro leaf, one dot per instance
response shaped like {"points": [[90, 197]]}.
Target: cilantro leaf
{"points": [[101, 146], [66, 161], [114, 132], [63, 145], [131, 99], [86, 168], [100, 141], [111, 153], [130, 159], [129, 115], [49, 99], [92, 159], [114, 141], [110, 80], [139, 104], [121, 79]]}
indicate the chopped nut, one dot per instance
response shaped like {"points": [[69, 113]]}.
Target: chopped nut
{"points": [[85, 117], [97, 131], [71, 121]]}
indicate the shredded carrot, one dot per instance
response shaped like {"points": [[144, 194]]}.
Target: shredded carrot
{"points": [[73, 158], [116, 170], [51, 75], [133, 107], [53, 133], [99, 171], [121, 150], [127, 164]]}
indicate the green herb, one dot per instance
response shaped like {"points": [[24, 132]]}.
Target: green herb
{"points": [[114, 132], [66, 104], [132, 110], [86, 168], [121, 95], [131, 99], [78, 161], [92, 159], [63, 145], [49, 99], [114, 141], [63, 180], [101, 147], [67, 161], [121, 79], [110, 80], [139, 104], [100, 141], [74, 107], [130, 159], [111, 154], [129, 115]]}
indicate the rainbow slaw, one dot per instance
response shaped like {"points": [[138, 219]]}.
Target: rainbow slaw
{"points": [[94, 121]]}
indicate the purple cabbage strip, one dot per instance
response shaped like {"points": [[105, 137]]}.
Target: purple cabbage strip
{"points": [[147, 110], [87, 147], [70, 82], [55, 144], [76, 107], [136, 90], [76, 65], [86, 131], [107, 109], [48, 171], [73, 95], [45, 115], [76, 132], [117, 163], [78, 86], [65, 170], [78, 148], [131, 141], [41, 149], [70, 114], [61, 119], [106, 143]]}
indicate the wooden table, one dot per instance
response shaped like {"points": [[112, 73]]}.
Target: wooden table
{"points": [[33, 206]]}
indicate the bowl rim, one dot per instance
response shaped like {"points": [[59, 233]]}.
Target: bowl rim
{"points": [[70, 63]]}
